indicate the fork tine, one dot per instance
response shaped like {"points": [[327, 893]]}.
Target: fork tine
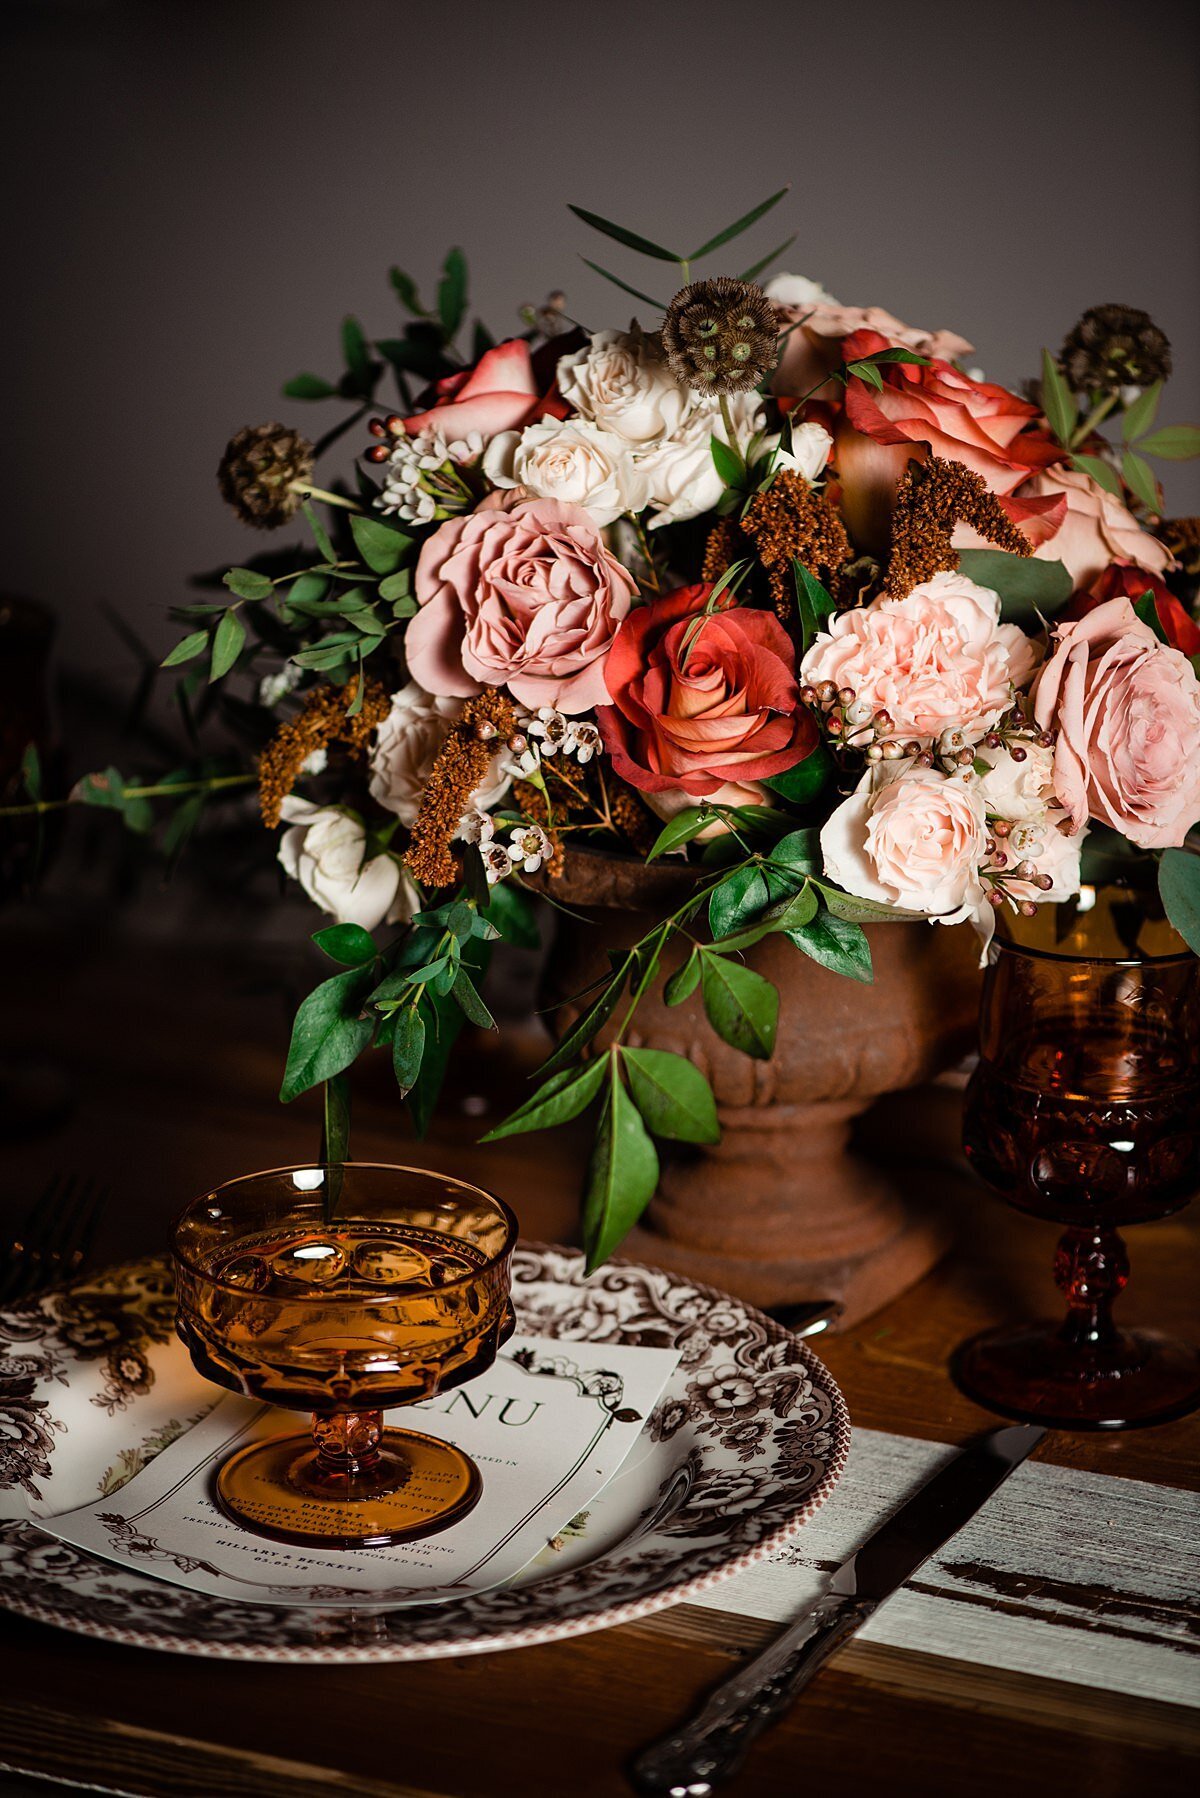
{"points": [[23, 1249]]}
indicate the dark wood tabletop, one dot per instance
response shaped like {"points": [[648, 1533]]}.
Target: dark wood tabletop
{"points": [[162, 1065]]}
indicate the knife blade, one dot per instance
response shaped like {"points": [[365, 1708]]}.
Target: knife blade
{"points": [[694, 1760]]}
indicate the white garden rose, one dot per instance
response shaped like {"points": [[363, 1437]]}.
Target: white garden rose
{"points": [[797, 290], [406, 746], [810, 451], [569, 459], [915, 839], [620, 383], [324, 851], [1018, 790], [680, 471]]}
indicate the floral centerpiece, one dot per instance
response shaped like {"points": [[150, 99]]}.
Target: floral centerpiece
{"points": [[776, 584]]}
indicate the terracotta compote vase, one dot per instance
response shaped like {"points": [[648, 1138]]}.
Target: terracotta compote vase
{"points": [[783, 1208]]}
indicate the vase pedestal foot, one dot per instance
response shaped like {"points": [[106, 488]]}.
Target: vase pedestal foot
{"points": [[862, 1250]]}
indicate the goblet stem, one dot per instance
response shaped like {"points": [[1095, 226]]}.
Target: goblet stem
{"points": [[347, 1442], [1091, 1269]]}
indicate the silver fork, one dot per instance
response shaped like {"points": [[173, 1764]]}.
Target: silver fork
{"points": [[55, 1239]]}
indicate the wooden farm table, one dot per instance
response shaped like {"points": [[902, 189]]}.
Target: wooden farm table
{"points": [[175, 1059]]}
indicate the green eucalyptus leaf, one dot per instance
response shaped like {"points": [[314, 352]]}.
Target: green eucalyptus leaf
{"points": [[806, 781], [616, 280], [1058, 402], [673, 1096], [764, 262], [397, 586], [228, 641], [592, 1021], [1141, 414], [1139, 478], [1174, 443], [356, 353], [621, 1178], [685, 825], [1028, 587], [835, 943], [727, 462], [684, 981], [406, 289], [556, 1101], [452, 293], [469, 1002], [865, 911], [308, 387], [348, 944], [1100, 472], [320, 535], [630, 239], [511, 912], [247, 583], [187, 649], [381, 548], [742, 1007], [408, 1048], [1179, 887], [739, 225], [329, 1032], [739, 897]]}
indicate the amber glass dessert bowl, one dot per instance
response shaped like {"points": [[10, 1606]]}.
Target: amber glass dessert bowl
{"points": [[1085, 1109], [345, 1291]]}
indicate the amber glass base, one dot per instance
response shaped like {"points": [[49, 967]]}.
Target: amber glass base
{"points": [[1035, 1372], [399, 1487]]}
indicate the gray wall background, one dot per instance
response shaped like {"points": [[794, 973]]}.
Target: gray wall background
{"points": [[194, 194]]}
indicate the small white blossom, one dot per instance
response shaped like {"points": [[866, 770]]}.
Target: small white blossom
{"points": [[416, 483], [274, 687], [476, 827], [550, 728], [316, 763], [530, 847], [521, 767], [583, 740], [497, 862]]}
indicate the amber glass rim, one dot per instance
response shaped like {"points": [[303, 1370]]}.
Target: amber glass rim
{"points": [[512, 1226], [1176, 959]]}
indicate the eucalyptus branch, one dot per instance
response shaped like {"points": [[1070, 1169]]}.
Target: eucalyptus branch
{"points": [[162, 790]]}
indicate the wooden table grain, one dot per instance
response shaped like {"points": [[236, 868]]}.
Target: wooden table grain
{"points": [[172, 1057]]}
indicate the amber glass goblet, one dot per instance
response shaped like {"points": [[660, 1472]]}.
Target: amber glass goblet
{"points": [[1085, 1108], [344, 1291]]}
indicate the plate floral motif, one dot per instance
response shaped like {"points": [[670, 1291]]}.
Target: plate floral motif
{"points": [[745, 1444]]}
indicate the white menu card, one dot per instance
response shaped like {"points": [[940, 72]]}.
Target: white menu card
{"points": [[548, 1425]]}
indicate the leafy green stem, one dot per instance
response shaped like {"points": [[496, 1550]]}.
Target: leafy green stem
{"points": [[163, 790]]}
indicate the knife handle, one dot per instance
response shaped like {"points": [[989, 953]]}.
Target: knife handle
{"points": [[695, 1760]]}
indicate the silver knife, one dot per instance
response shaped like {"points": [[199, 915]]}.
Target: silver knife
{"points": [[693, 1761]]}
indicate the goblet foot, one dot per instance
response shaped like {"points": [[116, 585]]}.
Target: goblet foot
{"points": [[404, 1487], [1033, 1372]]}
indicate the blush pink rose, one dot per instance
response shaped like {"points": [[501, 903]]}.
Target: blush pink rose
{"points": [[498, 394], [812, 348], [914, 840], [938, 659], [524, 596], [1096, 529], [1126, 710]]}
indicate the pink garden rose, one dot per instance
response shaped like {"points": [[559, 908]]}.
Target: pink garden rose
{"points": [[916, 840], [524, 596], [498, 394], [1126, 709], [1096, 530], [938, 659]]}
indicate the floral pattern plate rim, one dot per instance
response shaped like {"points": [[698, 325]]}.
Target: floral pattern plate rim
{"points": [[747, 1441]]}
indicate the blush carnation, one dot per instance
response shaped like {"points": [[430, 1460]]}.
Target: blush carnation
{"points": [[521, 595], [697, 705], [1126, 709], [938, 659]]}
